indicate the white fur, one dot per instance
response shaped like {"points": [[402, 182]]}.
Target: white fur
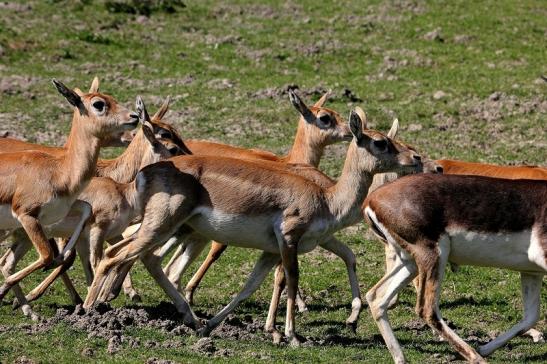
{"points": [[509, 250]]}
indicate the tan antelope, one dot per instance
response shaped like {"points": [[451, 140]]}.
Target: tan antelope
{"points": [[256, 204], [114, 206], [39, 189], [111, 204], [430, 220], [317, 128], [428, 166], [331, 244]]}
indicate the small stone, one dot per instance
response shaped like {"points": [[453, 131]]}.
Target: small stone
{"points": [[415, 127], [113, 344], [141, 19], [434, 35], [88, 352], [495, 96], [439, 95]]}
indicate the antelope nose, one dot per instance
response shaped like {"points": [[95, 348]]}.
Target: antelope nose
{"points": [[417, 157], [134, 115]]}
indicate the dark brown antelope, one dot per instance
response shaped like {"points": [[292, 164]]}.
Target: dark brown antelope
{"points": [[430, 220]]}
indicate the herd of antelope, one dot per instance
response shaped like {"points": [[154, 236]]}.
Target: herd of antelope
{"points": [[164, 193]]}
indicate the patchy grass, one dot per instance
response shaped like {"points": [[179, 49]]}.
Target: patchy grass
{"points": [[226, 65]]}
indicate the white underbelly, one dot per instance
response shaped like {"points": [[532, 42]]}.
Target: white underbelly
{"points": [[503, 250], [255, 231], [55, 210], [50, 213]]}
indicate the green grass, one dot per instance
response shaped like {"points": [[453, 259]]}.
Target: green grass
{"points": [[375, 49]]}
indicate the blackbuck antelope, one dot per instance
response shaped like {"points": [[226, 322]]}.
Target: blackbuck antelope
{"points": [[112, 205], [480, 169], [430, 220], [38, 189], [317, 128], [255, 204]]}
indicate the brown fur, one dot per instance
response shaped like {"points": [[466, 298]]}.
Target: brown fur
{"points": [[247, 188], [492, 170], [417, 212], [30, 179]]}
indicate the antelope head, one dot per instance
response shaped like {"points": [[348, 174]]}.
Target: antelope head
{"points": [[161, 147], [323, 126], [377, 152], [428, 165], [97, 113], [121, 139]]}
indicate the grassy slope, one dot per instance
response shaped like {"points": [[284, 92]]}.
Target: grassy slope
{"points": [[377, 50]]}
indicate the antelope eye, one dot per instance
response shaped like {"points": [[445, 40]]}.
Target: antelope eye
{"points": [[164, 134], [380, 144], [173, 150], [99, 105], [325, 119]]}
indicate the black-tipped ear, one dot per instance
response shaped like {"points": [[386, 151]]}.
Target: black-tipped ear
{"points": [[72, 97], [162, 110], [356, 125], [141, 110], [301, 107]]}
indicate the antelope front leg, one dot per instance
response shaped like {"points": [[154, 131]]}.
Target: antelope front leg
{"points": [[531, 292], [380, 296], [192, 246], [264, 264], [279, 285], [289, 259], [431, 266], [9, 261], [39, 290], [39, 240], [344, 252]]}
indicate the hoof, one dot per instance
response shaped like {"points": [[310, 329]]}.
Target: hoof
{"points": [[352, 326], [277, 338], [204, 331], [295, 341]]}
